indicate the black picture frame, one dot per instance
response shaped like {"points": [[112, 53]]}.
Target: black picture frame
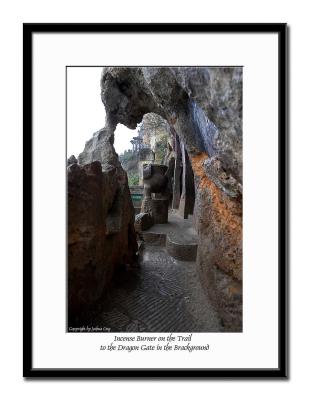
{"points": [[278, 28]]}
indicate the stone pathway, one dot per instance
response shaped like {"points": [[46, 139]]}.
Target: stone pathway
{"points": [[162, 295]]}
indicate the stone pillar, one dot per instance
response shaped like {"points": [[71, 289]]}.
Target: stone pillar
{"points": [[177, 173], [146, 206], [187, 200], [160, 210], [146, 156], [155, 198]]}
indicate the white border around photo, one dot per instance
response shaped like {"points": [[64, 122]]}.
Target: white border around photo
{"points": [[257, 345]]}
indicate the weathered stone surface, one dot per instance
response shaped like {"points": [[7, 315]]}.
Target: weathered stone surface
{"points": [[176, 190], [143, 221], [72, 160], [156, 195], [187, 200], [154, 178], [180, 250], [101, 233], [203, 105], [220, 223], [170, 162], [118, 86], [164, 295], [219, 259], [100, 148], [93, 238], [160, 210], [224, 181], [154, 181], [154, 239], [156, 135]]}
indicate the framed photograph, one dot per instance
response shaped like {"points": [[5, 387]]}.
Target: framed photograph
{"points": [[155, 200]]}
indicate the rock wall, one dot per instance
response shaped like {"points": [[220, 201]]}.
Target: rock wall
{"points": [[203, 106], [156, 135], [101, 233]]}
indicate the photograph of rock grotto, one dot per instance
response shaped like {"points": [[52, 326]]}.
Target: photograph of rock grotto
{"points": [[154, 199]]}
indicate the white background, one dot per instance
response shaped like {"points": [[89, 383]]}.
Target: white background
{"points": [[11, 124]]}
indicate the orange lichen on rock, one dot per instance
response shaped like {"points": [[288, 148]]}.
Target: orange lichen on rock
{"points": [[221, 221]]}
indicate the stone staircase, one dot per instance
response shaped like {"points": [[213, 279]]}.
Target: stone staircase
{"points": [[178, 236]]}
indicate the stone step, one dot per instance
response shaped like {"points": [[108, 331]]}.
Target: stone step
{"points": [[175, 244], [178, 235], [154, 238], [179, 249]]}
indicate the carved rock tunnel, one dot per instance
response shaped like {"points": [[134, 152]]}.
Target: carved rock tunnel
{"points": [[164, 293]]}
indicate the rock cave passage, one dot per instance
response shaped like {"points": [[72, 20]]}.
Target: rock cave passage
{"points": [[155, 233], [163, 293]]}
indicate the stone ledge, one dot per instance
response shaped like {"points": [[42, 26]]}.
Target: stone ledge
{"points": [[155, 239], [181, 251]]}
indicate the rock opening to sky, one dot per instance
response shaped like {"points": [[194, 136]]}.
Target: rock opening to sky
{"points": [[86, 113]]}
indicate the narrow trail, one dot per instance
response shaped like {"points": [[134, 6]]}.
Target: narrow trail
{"points": [[161, 295]]}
